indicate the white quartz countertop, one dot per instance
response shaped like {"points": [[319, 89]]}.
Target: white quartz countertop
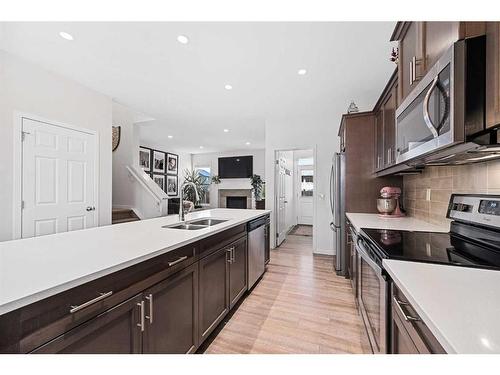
{"points": [[460, 305], [374, 221], [35, 268]]}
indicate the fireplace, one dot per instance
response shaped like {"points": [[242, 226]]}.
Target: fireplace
{"points": [[235, 198], [236, 202]]}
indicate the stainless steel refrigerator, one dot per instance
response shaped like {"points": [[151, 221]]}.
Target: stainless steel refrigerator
{"points": [[337, 205]]}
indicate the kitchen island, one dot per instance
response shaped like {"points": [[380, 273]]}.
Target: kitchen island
{"points": [[53, 288]]}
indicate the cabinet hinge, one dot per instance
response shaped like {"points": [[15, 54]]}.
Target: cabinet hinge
{"points": [[22, 205]]}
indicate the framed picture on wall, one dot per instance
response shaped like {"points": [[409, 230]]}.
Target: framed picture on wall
{"points": [[159, 179], [172, 163], [172, 186], [145, 159], [158, 162]]}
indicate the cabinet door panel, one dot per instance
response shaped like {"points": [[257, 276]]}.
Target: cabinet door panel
{"points": [[214, 291], [493, 73], [401, 340], [409, 47], [389, 109], [379, 146], [238, 272], [172, 328], [115, 331]]}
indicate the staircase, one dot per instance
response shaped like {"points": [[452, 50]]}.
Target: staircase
{"points": [[123, 215]]}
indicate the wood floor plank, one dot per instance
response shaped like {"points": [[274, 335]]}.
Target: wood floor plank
{"points": [[299, 306]]}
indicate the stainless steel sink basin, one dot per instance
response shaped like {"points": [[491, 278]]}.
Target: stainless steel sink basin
{"points": [[185, 226], [207, 222]]}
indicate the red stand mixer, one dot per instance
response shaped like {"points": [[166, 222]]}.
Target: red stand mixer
{"points": [[388, 203]]}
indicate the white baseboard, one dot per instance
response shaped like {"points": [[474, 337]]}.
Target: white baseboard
{"points": [[324, 251]]}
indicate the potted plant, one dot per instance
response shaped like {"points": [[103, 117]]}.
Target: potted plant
{"points": [[216, 179], [258, 189], [196, 178]]}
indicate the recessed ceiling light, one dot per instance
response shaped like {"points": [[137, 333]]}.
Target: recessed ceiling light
{"points": [[201, 147], [170, 136], [65, 35], [226, 130], [301, 72], [247, 143], [182, 39], [228, 87]]}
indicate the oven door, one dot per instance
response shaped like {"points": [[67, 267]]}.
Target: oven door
{"points": [[424, 119], [373, 299]]}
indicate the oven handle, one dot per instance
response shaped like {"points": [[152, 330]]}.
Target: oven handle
{"points": [[427, 117], [364, 254]]}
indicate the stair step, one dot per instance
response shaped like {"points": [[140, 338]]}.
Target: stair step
{"points": [[125, 220], [123, 215]]}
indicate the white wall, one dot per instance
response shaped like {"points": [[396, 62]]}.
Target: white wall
{"points": [[185, 161], [27, 88], [127, 154], [211, 160], [319, 134]]}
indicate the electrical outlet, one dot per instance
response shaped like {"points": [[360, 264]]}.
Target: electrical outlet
{"points": [[428, 195]]}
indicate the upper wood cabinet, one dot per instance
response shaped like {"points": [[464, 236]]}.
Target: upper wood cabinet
{"points": [[492, 73], [421, 44], [385, 125]]}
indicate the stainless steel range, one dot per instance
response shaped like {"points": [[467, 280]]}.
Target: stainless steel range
{"points": [[473, 241]]}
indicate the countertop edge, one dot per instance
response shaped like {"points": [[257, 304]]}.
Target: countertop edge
{"points": [[35, 297], [447, 346]]}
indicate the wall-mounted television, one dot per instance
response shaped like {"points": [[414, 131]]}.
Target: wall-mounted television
{"points": [[236, 167]]}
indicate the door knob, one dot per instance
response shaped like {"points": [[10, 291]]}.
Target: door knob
{"points": [[90, 208]]}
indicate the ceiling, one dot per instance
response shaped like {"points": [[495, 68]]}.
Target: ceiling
{"points": [[181, 86]]}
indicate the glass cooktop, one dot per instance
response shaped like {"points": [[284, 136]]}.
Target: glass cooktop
{"points": [[431, 247]]}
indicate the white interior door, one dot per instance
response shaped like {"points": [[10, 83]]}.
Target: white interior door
{"points": [[58, 179], [281, 204], [305, 188]]}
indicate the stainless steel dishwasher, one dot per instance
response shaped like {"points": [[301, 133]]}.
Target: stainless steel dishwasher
{"points": [[256, 250]]}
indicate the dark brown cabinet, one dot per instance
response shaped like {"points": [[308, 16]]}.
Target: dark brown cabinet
{"points": [[116, 331], [214, 291], [222, 282], [385, 125], [379, 140], [237, 271], [171, 314], [409, 334], [493, 74]]}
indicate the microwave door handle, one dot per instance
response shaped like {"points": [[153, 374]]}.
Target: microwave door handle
{"points": [[427, 117]]}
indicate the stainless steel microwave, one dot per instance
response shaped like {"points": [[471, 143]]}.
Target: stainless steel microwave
{"points": [[446, 106]]}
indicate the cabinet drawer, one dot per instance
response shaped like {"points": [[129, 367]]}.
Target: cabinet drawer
{"points": [[417, 330], [213, 243], [33, 325]]}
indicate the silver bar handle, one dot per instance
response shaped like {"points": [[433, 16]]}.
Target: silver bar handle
{"points": [[75, 308], [142, 322], [427, 117], [400, 308], [411, 72], [150, 316], [170, 264], [414, 67], [234, 254]]}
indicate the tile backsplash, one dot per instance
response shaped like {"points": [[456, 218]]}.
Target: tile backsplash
{"points": [[438, 183]]}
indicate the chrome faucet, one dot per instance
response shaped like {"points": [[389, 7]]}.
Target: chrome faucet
{"points": [[182, 213]]}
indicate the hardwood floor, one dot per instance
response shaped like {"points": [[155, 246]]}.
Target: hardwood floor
{"points": [[299, 306]]}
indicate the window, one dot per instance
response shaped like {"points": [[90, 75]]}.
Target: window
{"points": [[206, 179], [305, 161], [306, 182]]}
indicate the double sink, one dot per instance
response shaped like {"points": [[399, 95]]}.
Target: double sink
{"points": [[195, 224]]}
